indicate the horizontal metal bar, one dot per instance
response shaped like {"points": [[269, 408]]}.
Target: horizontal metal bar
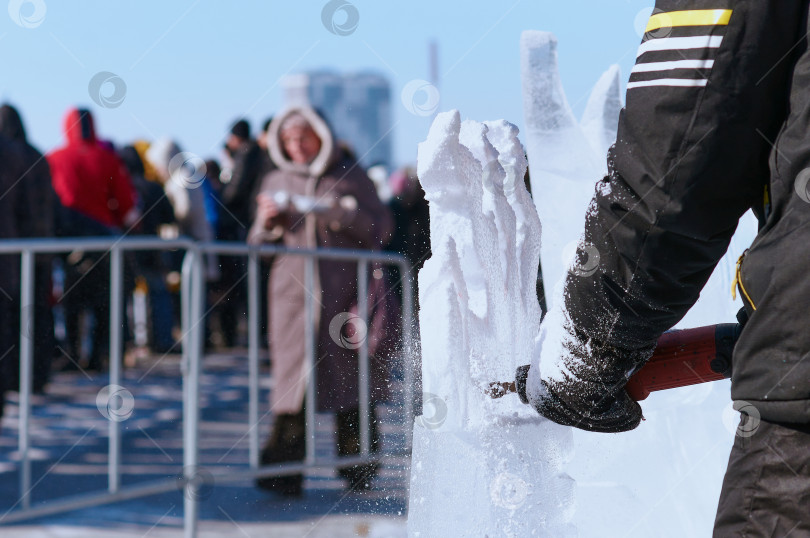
{"points": [[175, 484], [91, 244], [236, 248], [97, 244], [93, 499]]}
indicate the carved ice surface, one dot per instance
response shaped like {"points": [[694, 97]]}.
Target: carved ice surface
{"points": [[481, 467]]}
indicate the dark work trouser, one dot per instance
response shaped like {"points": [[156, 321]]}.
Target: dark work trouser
{"points": [[766, 490]]}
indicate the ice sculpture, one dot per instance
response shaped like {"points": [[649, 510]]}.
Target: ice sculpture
{"points": [[481, 467]]}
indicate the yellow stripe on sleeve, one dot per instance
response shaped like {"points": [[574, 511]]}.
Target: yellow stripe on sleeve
{"points": [[695, 17]]}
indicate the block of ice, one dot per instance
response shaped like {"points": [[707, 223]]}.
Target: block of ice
{"points": [[481, 467]]}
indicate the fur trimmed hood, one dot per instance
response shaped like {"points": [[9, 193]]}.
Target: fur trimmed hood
{"points": [[326, 156]]}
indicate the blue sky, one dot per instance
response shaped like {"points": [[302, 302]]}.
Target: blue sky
{"points": [[192, 66]]}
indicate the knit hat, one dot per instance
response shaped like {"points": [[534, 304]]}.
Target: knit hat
{"points": [[241, 129]]}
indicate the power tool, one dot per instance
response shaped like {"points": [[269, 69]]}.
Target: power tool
{"points": [[681, 358]]}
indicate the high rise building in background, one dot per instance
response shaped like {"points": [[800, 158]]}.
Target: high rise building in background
{"points": [[357, 105]]}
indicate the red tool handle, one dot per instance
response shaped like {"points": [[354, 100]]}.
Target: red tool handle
{"points": [[686, 357]]}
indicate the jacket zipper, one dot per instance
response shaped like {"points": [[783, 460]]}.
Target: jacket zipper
{"points": [[738, 282]]}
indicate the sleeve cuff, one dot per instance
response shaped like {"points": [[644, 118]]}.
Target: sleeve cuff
{"points": [[521, 376]]}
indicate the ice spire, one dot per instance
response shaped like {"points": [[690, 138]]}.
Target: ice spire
{"points": [[601, 117], [562, 165]]}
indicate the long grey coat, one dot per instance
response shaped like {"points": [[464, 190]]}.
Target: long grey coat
{"points": [[330, 178]]}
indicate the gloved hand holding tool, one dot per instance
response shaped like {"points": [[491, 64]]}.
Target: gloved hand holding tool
{"points": [[590, 391]]}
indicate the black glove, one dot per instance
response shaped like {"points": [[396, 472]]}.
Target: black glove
{"points": [[588, 390]]}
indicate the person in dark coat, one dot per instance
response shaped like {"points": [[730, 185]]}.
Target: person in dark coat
{"points": [[411, 224], [151, 266], [16, 208], [35, 184], [330, 203], [98, 199], [268, 166], [261, 141], [250, 164], [696, 148], [238, 198]]}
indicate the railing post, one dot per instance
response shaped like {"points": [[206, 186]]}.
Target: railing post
{"points": [[309, 336], [26, 370], [186, 290], [254, 317], [363, 370], [116, 346], [193, 340], [410, 351]]}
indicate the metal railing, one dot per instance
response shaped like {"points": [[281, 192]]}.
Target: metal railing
{"points": [[193, 293]]}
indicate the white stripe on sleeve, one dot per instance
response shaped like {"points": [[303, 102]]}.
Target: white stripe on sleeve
{"points": [[679, 64], [680, 43], [684, 82]]}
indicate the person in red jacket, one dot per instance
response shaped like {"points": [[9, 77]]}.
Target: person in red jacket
{"points": [[97, 198], [89, 178]]}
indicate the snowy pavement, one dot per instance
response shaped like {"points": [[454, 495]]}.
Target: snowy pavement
{"points": [[69, 455]]}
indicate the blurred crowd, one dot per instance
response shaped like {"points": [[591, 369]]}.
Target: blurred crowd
{"points": [[292, 184]]}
